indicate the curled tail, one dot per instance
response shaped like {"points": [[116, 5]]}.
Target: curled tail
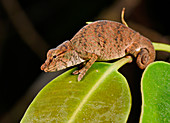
{"points": [[144, 58], [143, 50], [146, 54]]}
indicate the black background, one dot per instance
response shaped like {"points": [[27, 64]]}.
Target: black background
{"points": [[56, 21]]}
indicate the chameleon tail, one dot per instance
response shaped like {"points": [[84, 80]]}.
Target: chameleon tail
{"points": [[145, 56]]}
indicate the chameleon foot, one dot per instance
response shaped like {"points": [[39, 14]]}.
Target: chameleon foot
{"points": [[81, 73], [80, 66]]}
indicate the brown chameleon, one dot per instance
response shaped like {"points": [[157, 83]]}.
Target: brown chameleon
{"points": [[101, 40]]}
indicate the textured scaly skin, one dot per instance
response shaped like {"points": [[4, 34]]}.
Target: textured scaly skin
{"points": [[100, 41]]}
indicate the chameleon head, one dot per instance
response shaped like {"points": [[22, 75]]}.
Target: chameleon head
{"points": [[61, 57]]}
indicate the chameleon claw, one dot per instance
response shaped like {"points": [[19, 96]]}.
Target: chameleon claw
{"points": [[76, 72], [81, 73], [79, 77]]}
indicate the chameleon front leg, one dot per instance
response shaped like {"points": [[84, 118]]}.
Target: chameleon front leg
{"points": [[82, 72]]}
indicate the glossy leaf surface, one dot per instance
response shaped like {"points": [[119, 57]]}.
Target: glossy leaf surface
{"points": [[155, 89], [102, 95]]}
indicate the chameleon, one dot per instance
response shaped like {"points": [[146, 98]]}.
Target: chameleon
{"points": [[102, 40]]}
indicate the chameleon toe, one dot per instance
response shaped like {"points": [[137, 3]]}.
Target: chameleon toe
{"points": [[76, 72]]}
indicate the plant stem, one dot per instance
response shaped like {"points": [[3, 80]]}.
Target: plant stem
{"points": [[161, 47], [121, 62], [89, 22]]}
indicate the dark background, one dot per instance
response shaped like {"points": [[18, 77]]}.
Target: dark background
{"points": [[29, 28]]}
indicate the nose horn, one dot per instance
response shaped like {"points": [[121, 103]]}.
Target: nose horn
{"points": [[47, 62], [43, 66]]}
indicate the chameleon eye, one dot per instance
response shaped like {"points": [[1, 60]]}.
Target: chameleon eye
{"points": [[54, 56]]}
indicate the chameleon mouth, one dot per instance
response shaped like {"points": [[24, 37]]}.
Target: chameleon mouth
{"points": [[52, 67], [48, 68]]}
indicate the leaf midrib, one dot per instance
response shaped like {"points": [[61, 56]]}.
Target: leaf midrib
{"points": [[113, 67]]}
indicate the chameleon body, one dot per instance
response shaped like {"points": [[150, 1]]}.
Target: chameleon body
{"points": [[101, 40]]}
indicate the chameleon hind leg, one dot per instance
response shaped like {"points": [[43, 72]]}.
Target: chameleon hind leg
{"points": [[82, 72], [141, 54], [133, 49], [122, 17]]}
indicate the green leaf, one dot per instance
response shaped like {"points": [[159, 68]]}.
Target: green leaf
{"points": [[102, 95], [155, 89]]}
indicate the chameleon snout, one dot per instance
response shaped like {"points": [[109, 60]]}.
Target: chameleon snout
{"points": [[44, 66]]}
